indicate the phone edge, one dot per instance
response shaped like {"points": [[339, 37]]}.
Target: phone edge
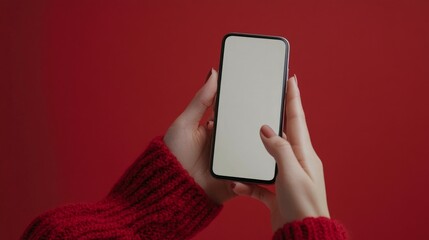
{"points": [[282, 111]]}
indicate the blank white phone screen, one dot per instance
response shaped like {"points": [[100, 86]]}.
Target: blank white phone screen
{"points": [[250, 95]]}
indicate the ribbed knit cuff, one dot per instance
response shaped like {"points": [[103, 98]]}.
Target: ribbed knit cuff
{"points": [[159, 199], [320, 228], [155, 199]]}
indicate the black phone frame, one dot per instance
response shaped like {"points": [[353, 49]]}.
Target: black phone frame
{"points": [[282, 110]]}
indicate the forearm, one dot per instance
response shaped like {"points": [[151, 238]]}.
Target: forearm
{"points": [[155, 199]]}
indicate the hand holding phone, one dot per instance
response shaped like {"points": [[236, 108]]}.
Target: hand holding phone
{"points": [[300, 186]]}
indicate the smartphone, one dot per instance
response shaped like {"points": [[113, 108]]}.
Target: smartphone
{"points": [[251, 90]]}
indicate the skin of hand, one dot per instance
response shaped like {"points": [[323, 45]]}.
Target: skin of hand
{"points": [[190, 141], [300, 185]]}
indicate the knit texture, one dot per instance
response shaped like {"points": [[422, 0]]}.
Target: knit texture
{"points": [[155, 199], [320, 228]]}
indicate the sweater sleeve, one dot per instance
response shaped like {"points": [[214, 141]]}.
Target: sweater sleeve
{"points": [[155, 199], [320, 228]]}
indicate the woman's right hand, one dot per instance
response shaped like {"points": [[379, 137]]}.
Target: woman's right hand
{"points": [[300, 185]]}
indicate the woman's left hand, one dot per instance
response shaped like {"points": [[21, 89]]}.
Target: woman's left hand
{"points": [[190, 142]]}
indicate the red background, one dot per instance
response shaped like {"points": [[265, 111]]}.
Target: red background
{"points": [[86, 84]]}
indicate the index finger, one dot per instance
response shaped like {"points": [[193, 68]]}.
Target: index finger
{"points": [[296, 126], [202, 100]]}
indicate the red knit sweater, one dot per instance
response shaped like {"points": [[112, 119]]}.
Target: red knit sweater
{"points": [[155, 199]]}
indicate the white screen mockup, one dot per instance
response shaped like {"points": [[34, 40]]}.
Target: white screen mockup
{"points": [[251, 91]]}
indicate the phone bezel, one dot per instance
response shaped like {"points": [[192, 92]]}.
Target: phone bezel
{"points": [[280, 129]]}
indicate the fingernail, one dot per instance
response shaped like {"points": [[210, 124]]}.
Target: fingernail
{"points": [[233, 185], [284, 135], [209, 74], [209, 123], [295, 79], [267, 131]]}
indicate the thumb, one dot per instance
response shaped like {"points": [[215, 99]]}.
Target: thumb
{"points": [[280, 149], [202, 100], [254, 191]]}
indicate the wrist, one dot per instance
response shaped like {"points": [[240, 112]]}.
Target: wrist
{"points": [[158, 181]]}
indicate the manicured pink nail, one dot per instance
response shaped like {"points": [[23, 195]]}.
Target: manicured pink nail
{"points": [[267, 131], [210, 124], [296, 79], [209, 74]]}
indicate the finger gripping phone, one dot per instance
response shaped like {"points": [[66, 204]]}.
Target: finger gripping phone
{"points": [[252, 79]]}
